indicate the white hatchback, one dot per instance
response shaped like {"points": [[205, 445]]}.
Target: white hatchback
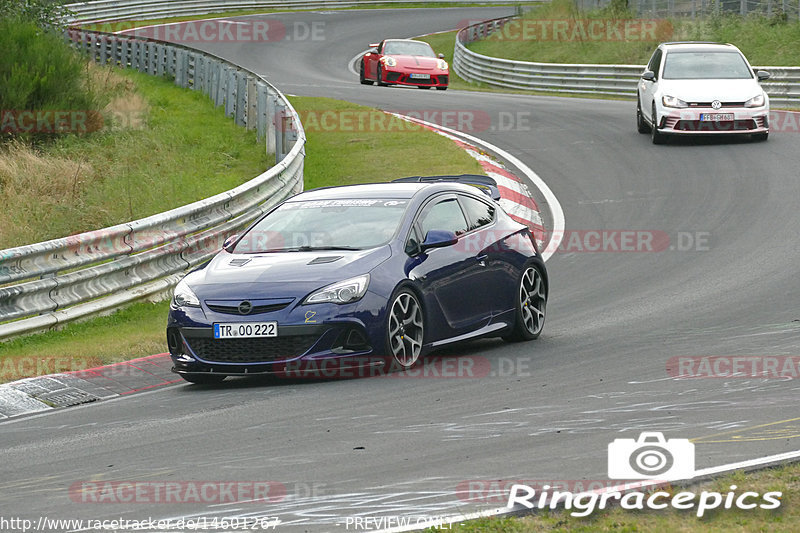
{"points": [[700, 88]]}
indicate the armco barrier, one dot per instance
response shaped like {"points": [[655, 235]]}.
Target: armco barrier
{"points": [[141, 9], [45, 284], [783, 87]]}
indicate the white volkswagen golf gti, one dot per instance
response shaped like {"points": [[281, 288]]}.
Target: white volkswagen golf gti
{"points": [[700, 88]]}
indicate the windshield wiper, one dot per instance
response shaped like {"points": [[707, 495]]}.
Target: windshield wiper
{"points": [[307, 249]]}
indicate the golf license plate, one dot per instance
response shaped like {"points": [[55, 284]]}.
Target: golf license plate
{"points": [[416, 76], [245, 330], [715, 117]]}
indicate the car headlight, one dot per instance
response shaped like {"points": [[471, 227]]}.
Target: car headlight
{"points": [[343, 292], [671, 101], [389, 61], [184, 296], [756, 101], [442, 64]]}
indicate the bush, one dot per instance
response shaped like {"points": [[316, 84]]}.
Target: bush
{"points": [[40, 72]]}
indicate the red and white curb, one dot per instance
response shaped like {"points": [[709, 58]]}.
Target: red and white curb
{"points": [[516, 197], [41, 393]]}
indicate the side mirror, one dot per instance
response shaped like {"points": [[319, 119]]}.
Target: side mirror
{"points": [[762, 75], [440, 56], [229, 242], [649, 75], [438, 239]]}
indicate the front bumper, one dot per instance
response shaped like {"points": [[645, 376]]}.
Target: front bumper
{"points": [[341, 333], [689, 121], [401, 77]]}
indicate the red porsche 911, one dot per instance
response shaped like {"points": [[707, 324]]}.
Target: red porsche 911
{"points": [[404, 62]]}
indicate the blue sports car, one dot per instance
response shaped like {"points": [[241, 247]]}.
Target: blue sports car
{"points": [[360, 276]]}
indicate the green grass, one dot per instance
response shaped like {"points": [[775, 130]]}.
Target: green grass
{"points": [[765, 41], [387, 149], [786, 518], [170, 149], [112, 27]]}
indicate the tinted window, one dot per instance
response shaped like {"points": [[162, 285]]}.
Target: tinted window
{"points": [[655, 62], [706, 66], [445, 215], [344, 223], [479, 213], [411, 48]]}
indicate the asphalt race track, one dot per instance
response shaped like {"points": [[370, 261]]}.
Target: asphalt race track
{"points": [[726, 284]]}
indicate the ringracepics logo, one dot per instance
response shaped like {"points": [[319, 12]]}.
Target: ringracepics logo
{"points": [[654, 460], [651, 457]]}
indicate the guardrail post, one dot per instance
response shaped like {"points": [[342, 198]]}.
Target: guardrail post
{"points": [[161, 60], [182, 68], [221, 79], [261, 112], [241, 99], [152, 59], [272, 123], [230, 92], [251, 115], [280, 113]]}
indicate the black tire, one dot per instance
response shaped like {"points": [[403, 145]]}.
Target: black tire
{"points": [[203, 379], [531, 306], [760, 136], [380, 77], [405, 329], [442, 88], [361, 75], [656, 136], [641, 125]]}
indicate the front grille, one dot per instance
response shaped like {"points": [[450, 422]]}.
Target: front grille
{"points": [[266, 350], [708, 104], [257, 309], [392, 76], [715, 126], [443, 79]]}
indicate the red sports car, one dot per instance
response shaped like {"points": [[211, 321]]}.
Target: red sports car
{"points": [[404, 62]]}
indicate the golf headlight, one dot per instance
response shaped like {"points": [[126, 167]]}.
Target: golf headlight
{"points": [[442, 64], [671, 101], [184, 296], [388, 61], [343, 292], [756, 101]]}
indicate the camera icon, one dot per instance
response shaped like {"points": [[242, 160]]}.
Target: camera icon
{"points": [[651, 456]]}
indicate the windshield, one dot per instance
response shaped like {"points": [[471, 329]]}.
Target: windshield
{"points": [[706, 66], [408, 48], [325, 225]]}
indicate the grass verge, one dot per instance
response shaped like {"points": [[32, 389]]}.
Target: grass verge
{"points": [[338, 152], [765, 41], [162, 147], [785, 479], [115, 26]]}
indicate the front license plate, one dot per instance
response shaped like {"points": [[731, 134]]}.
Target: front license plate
{"points": [[715, 117], [416, 76], [245, 330]]}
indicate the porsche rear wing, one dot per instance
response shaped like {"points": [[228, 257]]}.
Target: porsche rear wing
{"points": [[484, 183]]}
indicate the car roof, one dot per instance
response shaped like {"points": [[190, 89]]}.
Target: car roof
{"points": [[389, 190], [699, 46]]}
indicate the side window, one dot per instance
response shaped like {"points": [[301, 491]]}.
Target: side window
{"points": [[655, 62], [479, 213], [443, 215]]}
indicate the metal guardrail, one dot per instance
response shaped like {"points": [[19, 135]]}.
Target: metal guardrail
{"points": [[783, 87], [48, 283], [103, 10]]}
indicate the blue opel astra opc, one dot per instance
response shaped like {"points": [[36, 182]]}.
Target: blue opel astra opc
{"points": [[373, 275]]}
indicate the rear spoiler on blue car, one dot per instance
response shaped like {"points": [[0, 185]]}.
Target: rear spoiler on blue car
{"points": [[484, 183]]}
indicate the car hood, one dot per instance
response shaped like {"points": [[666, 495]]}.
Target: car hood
{"points": [[415, 62], [282, 274], [710, 90]]}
